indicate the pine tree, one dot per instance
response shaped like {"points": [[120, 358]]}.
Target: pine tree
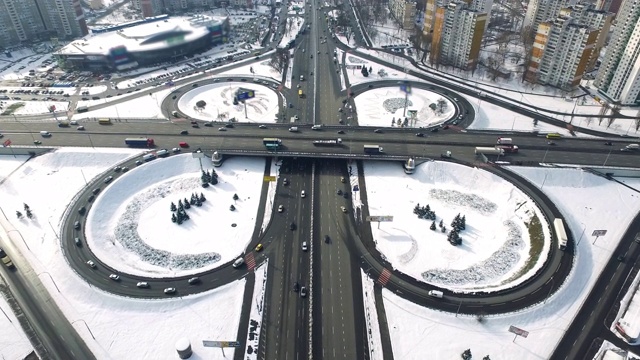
{"points": [[202, 198], [192, 201], [441, 223], [29, 214], [365, 71], [486, 358], [455, 220], [19, 214], [427, 209], [173, 207], [416, 210], [444, 229], [232, 208], [214, 174], [186, 216], [370, 69], [173, 217], [235, 197], [198, 203], [179, 218], [204, 177], [26, 207], [187, 205], [463, 222], [433, 225], [214, 180]]}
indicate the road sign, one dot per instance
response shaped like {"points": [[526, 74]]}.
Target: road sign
{"points": [[220, 344], [6, 143], [198, 154], [268, 178], [599, 232], [518, 331], [384, 218]]}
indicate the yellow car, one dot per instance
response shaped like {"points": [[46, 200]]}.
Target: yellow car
{"points": [[259, 247]]}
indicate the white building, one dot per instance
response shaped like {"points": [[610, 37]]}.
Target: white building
{"points": [[619, 76]]}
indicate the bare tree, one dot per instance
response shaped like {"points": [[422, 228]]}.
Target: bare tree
{"points": [[279, 59]]}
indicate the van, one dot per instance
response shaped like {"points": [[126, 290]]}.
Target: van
{"points": [[292, 129], [435, 293], [149, 157], [239, 261], [316, 127], [45, 133], [633, 146], [163, 152]]}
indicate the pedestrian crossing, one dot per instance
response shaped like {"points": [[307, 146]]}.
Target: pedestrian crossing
{"points": [[250, 261], [384, 278]]}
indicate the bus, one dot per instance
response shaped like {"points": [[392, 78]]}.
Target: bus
{"points": [[558, 225], [104, 121], [82, 109], [272, 143], [554, 136]]}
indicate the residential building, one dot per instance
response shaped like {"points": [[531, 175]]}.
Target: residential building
{"points": [[588, 15], [404, 12], [542, 10], [561, 52], [612, 6], [457, 35], [23, 21], [430, 8], [150, 8], [481, 6], [618, 79]]}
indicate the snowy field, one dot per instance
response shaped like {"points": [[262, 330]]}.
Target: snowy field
{"points": [[142, 107], [496, 241], [14, 344], [219, 103], [578, 195]]}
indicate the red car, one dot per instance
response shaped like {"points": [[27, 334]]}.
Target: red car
{"points": [[183, 144]]}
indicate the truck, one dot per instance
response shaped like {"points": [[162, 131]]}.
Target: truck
{"points": [[633, 146], [509, 148], [489, 151], [558, 225], [504, 141], [139, 142], [6, 261], [329, 142], [373, 149]]}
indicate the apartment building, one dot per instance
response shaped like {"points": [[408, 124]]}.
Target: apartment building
{"points": [[481, 6], [404, 12], [618, 79], [561, 52], [612, 6], [457, 35], [28, 20], [588, 15], [539, 11]]}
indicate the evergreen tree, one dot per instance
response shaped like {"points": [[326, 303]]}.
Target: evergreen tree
{"points": [[192, 201], [202, 198], [179, 218], [427, 209], [26, 207], [365, 71], [433, 225], [187, 205], [198, 202], [416, 210], [466, 355], [432, 215], [29, 214], [204, 177], [486, 358], [455, 220], [463, 222], [173, 217], [443, 229], [214, 174], [370, 69], [441, 223], [186, 216], [19, 214], [232, 208], [214, 180], [173, 207], [235, 197]]}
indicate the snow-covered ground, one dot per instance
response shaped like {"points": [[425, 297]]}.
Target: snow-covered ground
{"points": [[417, 332], [142, 107], [496, 243], [14, 344], [219, 103]]}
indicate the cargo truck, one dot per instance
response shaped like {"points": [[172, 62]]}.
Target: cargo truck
{"points": [[504, 141], [509, 148], [373, 149], [331, 142], [489, 151], [139, 142]]}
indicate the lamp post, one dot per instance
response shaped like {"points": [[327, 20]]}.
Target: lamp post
{"points": [[85, 324], [545, 154], [584, 228], [607, 159], [51, 277], [550, 289]]}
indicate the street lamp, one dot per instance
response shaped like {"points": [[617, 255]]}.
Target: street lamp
{"points": [[51, 277], [550, 289], [584, 228], [85, 324]]}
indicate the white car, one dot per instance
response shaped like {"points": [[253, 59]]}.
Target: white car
{"points": [[344, 209], [169, 290], [303, 194], [304, 246], [114, 277], [91, 264], [280, 208], [176, 150], [142, 284]]}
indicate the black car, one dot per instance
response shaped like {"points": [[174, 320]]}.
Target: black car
{"points": [[91, 198], [82, 210], [184, 132], [327, 239], [76, 225], [419, 134], [208, 124], [377, 131], [434, 130], [340, 131], [228, 125], [292, 226], [296, 286], [608, 143], [96, 191]]}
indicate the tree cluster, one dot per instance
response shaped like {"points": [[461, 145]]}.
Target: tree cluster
{"points": [[458, 224], [424, 212], [179, 213], [209, 178], [27, 211]]}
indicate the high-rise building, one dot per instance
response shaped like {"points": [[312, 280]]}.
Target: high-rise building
{"points": [[619, 76], [611, 6], [457, 35], [542, 10], [561, 52], [28, 20], [404, 12], [150, 8], [588, 15], [431, 6]]}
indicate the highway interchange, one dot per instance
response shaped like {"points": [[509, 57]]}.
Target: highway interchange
{"points": [[334, 327]]}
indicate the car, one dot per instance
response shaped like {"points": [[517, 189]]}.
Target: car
{"points": [[304, 246], [228, 125], [222, 129], [77, 242], [194, 280], [208, 124], [195, 126], [175, 150], [327, 239], [292, 226], [345, 194], [342, 179], [303, 194], [114, 277], [340, 131], [280, 208], [138, 162], [296, 287], [285, 181], [259, 247], [170, 290], [419, 134], [303, 292], [262, 126], [37, 142], [621, 258], [434, 130], [343, 209], [90, 198], [377, 131], [184, 132], [445, 127], [193, 122], [608, 143], [142, 284], [194, 85], [91, 264], [76, 225], [82, 210], [95, 191], [108, 179], [125, 169], [551, 143], [339, 192]]}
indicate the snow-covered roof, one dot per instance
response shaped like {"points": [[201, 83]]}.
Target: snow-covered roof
{"points": [[144, 37]]}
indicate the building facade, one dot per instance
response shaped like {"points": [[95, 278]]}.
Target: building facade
{"points": [[457, 36], [539, 11], [561, 52], [481, 6], [589, 15], [618, 79], [404, 12], [28, 20]]}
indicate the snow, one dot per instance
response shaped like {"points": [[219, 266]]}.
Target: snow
{"points": [[628, 314], [36, 107], [142, 107], [14, 344], [371, 318], [219, 99], [256, 314], [496, 244], [160, 248], [575, 192]]}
